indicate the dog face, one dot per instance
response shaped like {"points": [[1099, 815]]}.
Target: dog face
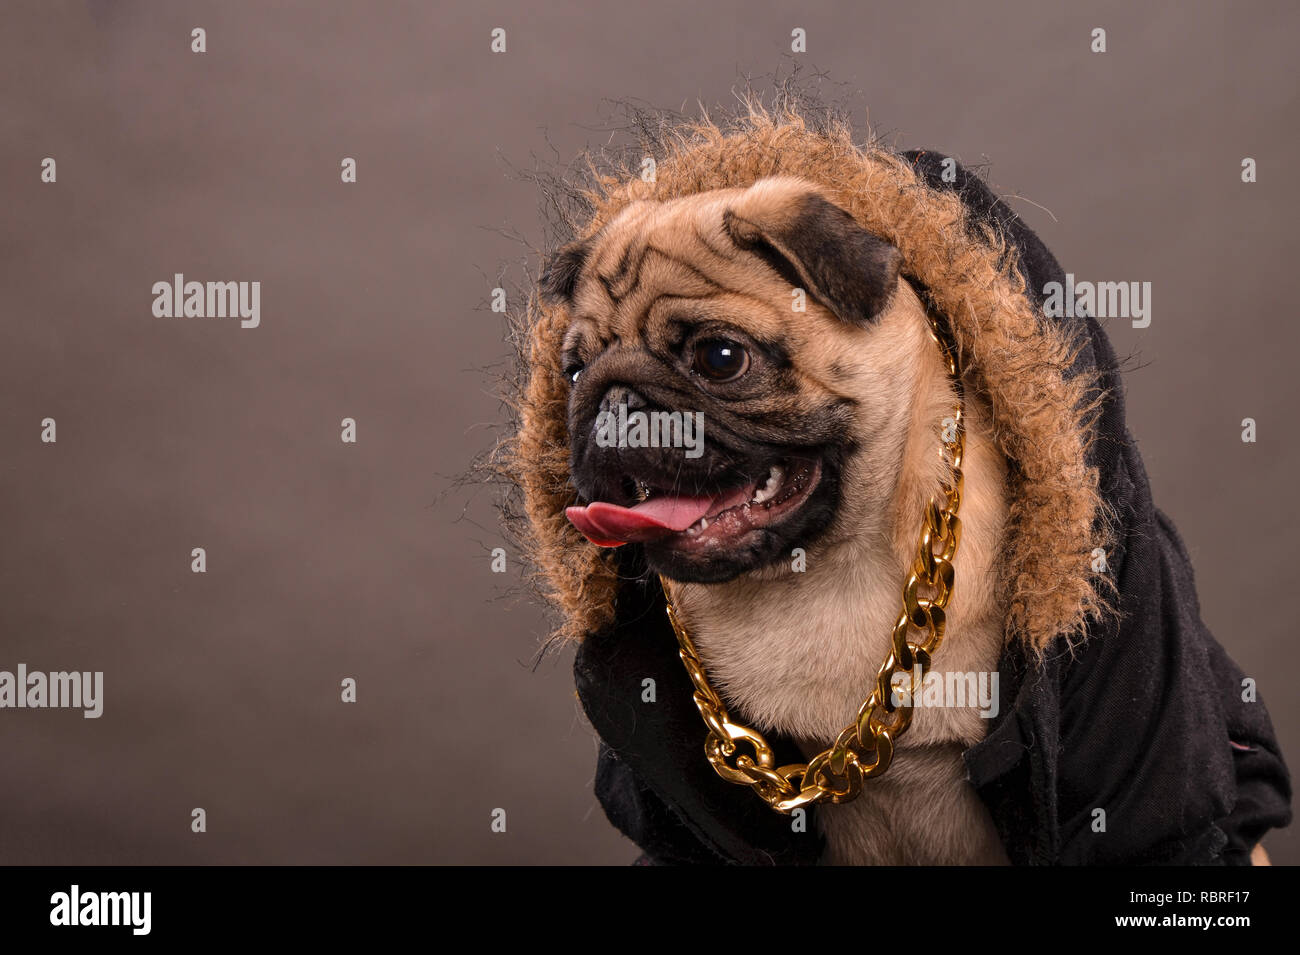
{"points": [[732, 370]]}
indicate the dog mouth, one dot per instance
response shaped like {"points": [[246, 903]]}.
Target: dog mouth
{"points": [[701, 523]]}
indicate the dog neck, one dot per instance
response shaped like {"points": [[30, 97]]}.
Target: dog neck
{"points": [[795, 651]]}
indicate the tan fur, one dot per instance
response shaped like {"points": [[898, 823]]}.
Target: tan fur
{"points": [[922, 812], [1016, 363], [797, 652]]}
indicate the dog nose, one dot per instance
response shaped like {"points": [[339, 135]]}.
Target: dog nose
{"points": [[618, 395]]}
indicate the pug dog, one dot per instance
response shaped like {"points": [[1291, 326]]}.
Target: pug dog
{"points": [[791, 331]]}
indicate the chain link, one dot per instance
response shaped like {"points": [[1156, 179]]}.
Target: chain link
{"points": [[866, 747]]}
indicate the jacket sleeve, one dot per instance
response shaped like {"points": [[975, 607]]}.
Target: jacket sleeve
{"points": [[1263, 785], [1165, 756]]}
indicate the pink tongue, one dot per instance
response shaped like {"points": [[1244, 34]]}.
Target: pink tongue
{"points": [[612, 526]]}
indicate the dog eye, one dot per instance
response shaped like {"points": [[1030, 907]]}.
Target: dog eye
{"points": [[720, 359]]}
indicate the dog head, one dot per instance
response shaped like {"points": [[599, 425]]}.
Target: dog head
{"points": [[734, 359]]}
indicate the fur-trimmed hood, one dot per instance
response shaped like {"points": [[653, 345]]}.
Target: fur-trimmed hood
{"points": [[1113, 693], [978, 276]]}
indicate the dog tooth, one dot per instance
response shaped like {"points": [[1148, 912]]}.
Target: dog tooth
{"points": [[769, 488]]}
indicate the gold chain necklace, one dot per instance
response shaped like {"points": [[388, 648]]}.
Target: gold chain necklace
{"points": [[866, 746]]}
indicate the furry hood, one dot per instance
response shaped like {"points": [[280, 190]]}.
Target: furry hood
{"points": [[984, 272]]}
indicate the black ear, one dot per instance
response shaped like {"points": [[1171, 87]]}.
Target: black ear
{"points": [[560, 277], [817, 246]]}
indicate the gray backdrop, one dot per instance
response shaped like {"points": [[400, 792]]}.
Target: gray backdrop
{"points": [[329, 560]]}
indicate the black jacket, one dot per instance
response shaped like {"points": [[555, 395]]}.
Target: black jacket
{"points": [[1145, 719]]}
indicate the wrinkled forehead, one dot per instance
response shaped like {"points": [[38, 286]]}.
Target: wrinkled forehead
{"points": [[655, 254]]}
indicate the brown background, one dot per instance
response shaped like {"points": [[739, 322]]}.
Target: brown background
{"points": [[328, 560]]}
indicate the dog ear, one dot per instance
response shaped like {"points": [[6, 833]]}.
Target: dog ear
{"points": [[817, 246], [560, 277]]}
